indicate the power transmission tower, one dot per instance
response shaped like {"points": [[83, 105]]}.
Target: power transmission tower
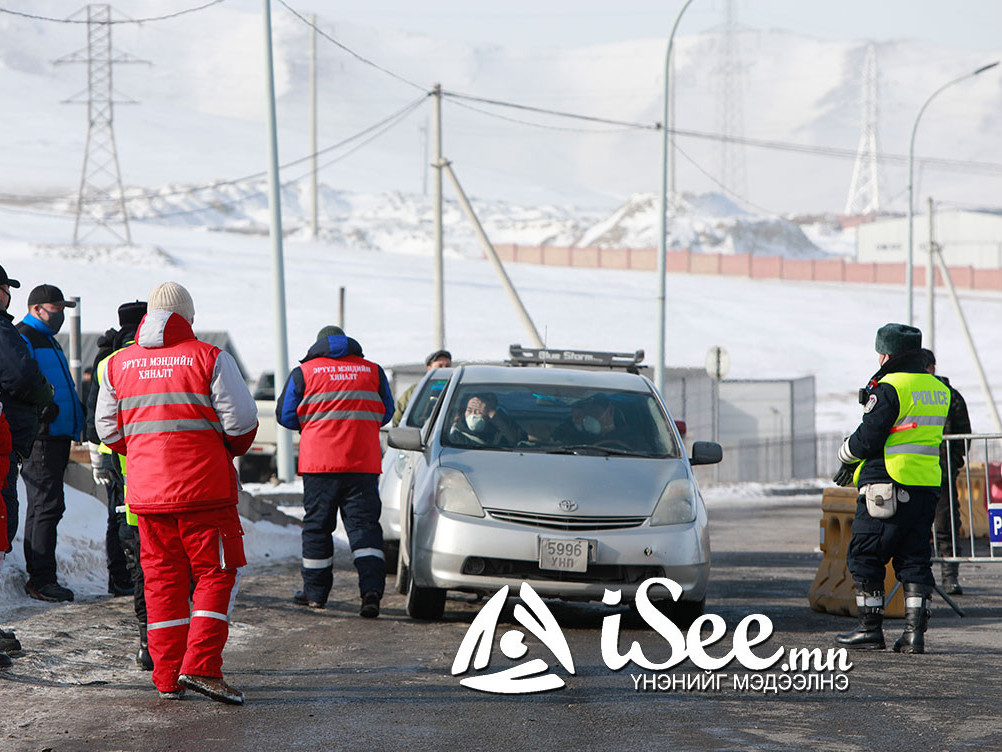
{"points": [[864, 190], [101, 198], [730, 104]]}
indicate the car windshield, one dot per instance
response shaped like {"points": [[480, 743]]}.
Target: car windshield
{"points": [[558, 419], [425, 401]]}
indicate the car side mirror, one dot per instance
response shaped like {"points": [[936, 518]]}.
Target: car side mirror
{"points": [[705, 453], [405, 437], [680, 425]]}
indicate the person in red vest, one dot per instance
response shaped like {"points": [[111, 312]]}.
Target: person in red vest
{"points": [[337, 400], [180, 411]]}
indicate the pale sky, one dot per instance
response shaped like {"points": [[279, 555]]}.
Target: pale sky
{"points": [[960, 24]]}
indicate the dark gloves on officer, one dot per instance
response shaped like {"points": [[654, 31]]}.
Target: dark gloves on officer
{"points": [[844, 475], [49, 413]]}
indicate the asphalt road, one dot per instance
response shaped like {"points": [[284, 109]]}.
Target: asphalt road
{"points": [[331, 680]]}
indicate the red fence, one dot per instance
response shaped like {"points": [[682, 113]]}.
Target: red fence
{"points": [[743, 265]]}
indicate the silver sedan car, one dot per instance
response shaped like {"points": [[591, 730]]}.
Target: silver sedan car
{"points": [[396, 468], [572, 480]]}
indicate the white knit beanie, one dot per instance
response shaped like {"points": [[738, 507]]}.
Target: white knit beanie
{"points": [[170, 296]]}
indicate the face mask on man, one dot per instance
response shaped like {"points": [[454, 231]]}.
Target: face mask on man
{"points": [[475, 422], [591, 424], [4, 305], [54, 320]]}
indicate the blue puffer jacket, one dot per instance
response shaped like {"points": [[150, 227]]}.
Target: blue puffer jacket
{"points": [[69, 422], [23, 388]]}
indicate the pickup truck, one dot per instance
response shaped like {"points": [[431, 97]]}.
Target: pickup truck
{"points": [[259, 465]]}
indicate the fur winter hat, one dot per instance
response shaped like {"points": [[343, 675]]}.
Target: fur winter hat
{"points": [[131, 314], [170, 296], [895, 339]]}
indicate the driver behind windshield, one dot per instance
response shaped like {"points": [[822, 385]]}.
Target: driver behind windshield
{"points": [[593, 421], [481, 423]]}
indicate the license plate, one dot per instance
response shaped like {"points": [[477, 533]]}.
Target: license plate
{"points": [[563, 555]]}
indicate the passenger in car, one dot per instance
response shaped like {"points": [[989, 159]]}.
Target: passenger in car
{"points": [[482, 423], [594, 420]]}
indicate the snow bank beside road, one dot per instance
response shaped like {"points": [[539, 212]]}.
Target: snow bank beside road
{"points": [[80, 555]]}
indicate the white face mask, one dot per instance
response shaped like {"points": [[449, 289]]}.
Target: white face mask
{"points": [[592, 425], [475, 423]]}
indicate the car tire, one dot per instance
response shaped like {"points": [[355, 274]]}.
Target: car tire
{"points": [[424, 603], [391, 550]]}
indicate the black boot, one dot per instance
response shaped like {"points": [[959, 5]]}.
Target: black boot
{"points": [[5, 661], [143, 659], [949, 572], [9, 642], [869, 635], [917, 612]]}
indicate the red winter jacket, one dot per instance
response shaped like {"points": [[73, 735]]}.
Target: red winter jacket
{"points": [[340, 416], [180, 411]]}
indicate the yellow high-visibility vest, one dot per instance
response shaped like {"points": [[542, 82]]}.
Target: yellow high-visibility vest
{"points": [[911, 452]]}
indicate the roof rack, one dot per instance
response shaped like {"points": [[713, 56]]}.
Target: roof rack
{"points": [[538, 356]]}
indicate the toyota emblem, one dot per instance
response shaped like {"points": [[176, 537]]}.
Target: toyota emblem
{"points": [[568, 506]]}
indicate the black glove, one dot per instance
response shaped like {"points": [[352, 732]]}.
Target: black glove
{"points": [[49, 413], [844, 475]]}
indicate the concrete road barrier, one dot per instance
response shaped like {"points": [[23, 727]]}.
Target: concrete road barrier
{"points": [[832, 590]]}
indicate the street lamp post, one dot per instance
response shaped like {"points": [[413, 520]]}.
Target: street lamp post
{"points": [[666, 154], [909, 264]]}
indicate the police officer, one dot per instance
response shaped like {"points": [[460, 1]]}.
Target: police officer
{"points": [[337, 400], [948, 522], [893, 458]]}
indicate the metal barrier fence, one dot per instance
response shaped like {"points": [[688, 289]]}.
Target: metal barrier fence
{"points": [[773, 460], [975, 501]]}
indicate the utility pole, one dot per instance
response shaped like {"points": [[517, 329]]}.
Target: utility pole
{"points": [[930, 284], [864, 190], [101, 198], [439, 270], [730, 100], [314, 226], [423, 130], [283, 438]]}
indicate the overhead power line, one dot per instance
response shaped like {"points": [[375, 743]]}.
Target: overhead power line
{"points": [[955, 165], [348, 49], [555, 113], [389, 119], [376, 131], [148, 19]]}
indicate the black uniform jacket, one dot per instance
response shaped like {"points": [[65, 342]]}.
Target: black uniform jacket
{"points": [[24, 390], [880, 414]]}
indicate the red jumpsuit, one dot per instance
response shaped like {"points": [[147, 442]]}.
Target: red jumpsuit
{"points": [[180, 411]]}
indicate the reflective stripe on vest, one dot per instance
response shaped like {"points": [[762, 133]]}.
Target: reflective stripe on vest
{"points": [[177, 456], [911, 451], [340, 414]]}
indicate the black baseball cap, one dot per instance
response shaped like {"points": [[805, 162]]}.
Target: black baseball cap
{"points": [[5, 280], [49, 294]]}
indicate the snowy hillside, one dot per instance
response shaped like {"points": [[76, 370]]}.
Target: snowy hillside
{"points": [[201, 104]]}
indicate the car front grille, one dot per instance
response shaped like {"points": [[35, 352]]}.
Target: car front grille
{"points": [[566, 522], [529, 570]]}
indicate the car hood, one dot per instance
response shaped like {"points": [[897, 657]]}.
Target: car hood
{"points": [[537, 483]]}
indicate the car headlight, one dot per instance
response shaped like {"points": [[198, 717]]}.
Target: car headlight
{"points": [[453, 493], [677, 504]]}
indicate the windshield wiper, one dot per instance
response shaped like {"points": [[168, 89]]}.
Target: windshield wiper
{"points": [[598, 450]]}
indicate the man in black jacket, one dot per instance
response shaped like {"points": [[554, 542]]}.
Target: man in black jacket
{"points": [[951, 459], [26, 396]]}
